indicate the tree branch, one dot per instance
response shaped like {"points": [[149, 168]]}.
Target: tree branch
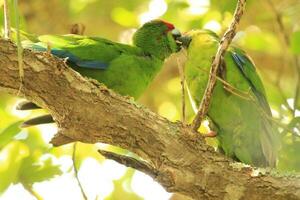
{"points": [[224, 44], [87, 111]]}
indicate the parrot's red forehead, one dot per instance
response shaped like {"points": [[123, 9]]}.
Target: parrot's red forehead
{"points": [[169, 25]]}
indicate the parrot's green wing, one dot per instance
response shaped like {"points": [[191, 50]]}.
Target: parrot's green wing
{"points": [[83, 51], [247, 68], [269, 138], [24, 36]]}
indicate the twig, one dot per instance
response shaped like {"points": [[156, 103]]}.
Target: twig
{"points": [[279, 21], [224, 43], [182, 83], [130, 162], [20, 48], [76, 171], [230, 88], [6, 20]]}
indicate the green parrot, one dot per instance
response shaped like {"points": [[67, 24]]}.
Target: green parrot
{"points": [[239, 111], [126, 69]]}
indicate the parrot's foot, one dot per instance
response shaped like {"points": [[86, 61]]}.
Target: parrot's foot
{"points": [[210, 134]]}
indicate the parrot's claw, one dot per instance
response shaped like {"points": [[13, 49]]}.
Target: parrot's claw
{"points": [[210, 134]]}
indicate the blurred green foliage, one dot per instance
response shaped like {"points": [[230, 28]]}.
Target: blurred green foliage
{"points": [[24, 155], [27, 158]]}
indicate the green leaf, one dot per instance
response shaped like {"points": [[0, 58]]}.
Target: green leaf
{"points": [[295, 42], [9, 132], [12, 156], [35, 141], [32, 172]]}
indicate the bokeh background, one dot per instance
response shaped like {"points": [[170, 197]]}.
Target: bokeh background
{"points": [[30, 168]]}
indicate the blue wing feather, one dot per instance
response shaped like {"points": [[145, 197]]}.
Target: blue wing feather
{"points": [[89, 64], [241, 61]]}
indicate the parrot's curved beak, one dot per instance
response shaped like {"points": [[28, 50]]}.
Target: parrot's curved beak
{"points": [[176, 34], [184, 41]]}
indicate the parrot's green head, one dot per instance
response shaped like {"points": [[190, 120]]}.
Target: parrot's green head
{"points": [[158, 38]]}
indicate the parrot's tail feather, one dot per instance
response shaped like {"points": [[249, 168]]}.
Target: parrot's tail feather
{"points": [[270, 142], [27, 105], [44, 119], [24, 35]]}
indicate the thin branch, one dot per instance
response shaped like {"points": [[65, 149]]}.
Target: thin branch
{"points": [[76, 171], [280, 24], [20, 48], [129, 162], [224, 43], [6, 20], [230, 88]]}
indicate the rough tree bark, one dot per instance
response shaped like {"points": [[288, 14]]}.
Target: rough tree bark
{"points": [[175, 156]]}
